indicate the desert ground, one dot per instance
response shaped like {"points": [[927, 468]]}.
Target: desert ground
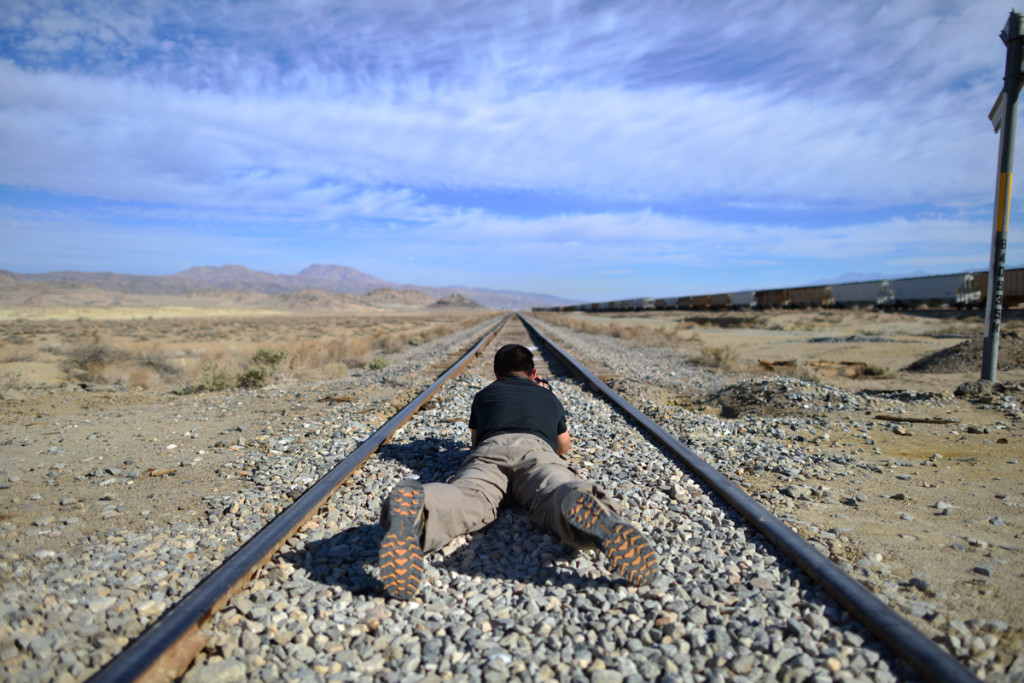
{"points": [[172, 393], [935, 509], [165, 396]]}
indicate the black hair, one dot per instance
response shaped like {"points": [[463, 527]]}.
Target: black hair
{"points": [[513, 358]]}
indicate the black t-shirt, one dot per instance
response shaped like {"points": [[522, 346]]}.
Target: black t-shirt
{"points": [[518, 405]]}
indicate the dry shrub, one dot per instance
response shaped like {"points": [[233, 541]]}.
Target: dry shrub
{"points": [[651, 336], [311, 355], [12, 354], [726, 321], [270, 358], [10, 380], [159, 361], [254, 377], [669, 335], [319, 358], [216, 376], [717, 357], [358, 350], [336, 369], [210, 370], [392, 342], [387, 343], [219, 373], [88, 360], [334, 358], [97, 360], [144, 378], [152, 368]]}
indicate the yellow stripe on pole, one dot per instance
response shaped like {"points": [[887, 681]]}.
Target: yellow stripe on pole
{"points": [[1005, 188], [1009, 191]]}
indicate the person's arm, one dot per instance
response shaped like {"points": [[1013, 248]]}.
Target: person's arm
{"points": [[563, 442], [472, 438]]}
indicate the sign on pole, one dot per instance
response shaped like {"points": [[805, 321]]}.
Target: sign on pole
{"points": [[998, 111], [1004, 120]]}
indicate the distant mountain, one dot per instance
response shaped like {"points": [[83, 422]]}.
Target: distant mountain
{"points": [[7, 281], [392, 298], [310, 300], [221, 297], [341, 279], [328, 278], [455, 301], [115, 282], [235, 277], [66, 293]]}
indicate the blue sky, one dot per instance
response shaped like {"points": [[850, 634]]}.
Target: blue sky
{"points": [[590, 150]]}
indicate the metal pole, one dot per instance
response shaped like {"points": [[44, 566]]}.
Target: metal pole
{"points": [[1011, 35]]}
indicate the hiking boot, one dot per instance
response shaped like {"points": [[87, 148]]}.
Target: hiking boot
{"points": [[401, 555], [630, 554]]}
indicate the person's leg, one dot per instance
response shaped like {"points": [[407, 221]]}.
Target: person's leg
{"points": [[579, 512], [420, 518], [540, 480], [468, 502]]}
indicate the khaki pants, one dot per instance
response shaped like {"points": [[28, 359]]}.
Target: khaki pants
{"points": [[522, 465]]}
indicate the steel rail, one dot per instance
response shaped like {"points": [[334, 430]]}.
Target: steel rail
{"points": [[932, 662], [165, 649]]}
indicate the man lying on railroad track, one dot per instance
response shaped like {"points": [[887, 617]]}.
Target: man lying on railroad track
{"points": [[518, 431]]}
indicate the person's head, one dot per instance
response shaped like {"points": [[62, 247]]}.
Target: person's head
{"points": [[513, 359]]}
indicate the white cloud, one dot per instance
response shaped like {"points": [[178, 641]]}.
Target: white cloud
{"points": [[345, 117], [130, 140]]}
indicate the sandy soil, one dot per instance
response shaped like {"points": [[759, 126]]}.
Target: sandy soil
{"points": [[67, 431]]}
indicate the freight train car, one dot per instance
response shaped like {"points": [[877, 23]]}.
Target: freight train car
{"points": [[1013, 286], [665, 304], [931, 291], [719, 301], [851, 294], [684, 302], [746, 299], [772, 298], [819, 296], [700, 302]]}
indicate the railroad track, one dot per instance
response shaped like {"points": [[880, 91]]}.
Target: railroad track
{"points": [[299, 601]]}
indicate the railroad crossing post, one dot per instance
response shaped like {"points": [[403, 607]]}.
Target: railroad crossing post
{"points": [[1003, 115]]}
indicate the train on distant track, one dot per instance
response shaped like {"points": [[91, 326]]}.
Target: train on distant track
{"points": [[962, 290]]}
